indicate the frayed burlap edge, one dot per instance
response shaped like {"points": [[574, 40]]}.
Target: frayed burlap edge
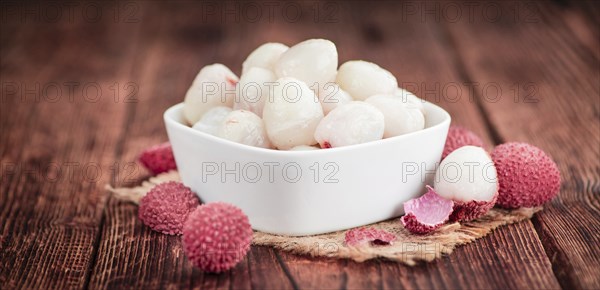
{"points": [[407, 248]]}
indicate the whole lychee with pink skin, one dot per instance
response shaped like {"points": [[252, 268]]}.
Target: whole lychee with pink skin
{"points": [[159, 158], [166, 207], [458, 137], [426, 213], [527, 175], [216, 236]]}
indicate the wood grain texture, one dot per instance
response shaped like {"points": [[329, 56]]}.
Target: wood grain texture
{"points": [[560, 116], [400, 48], [56, 149], [70, 234]]}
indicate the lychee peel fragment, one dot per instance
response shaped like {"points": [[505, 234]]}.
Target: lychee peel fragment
{"points": [[426, 213], [366, 236], [467, 211]]}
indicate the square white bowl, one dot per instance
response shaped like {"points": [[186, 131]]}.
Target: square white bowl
{"points": [[310, 192]]}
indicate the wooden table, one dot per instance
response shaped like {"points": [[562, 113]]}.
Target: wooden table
{"points": [[84, 85]]}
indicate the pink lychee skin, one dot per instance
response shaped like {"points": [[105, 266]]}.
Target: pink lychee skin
{"points": [[367, 235], [468, 211], [527, 175], [430, 198], [159, 158], [458, 137], [216, 236], [411, 223], [166, 207]]}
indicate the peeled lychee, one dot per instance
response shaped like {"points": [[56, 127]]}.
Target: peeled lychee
{"points": [[426, 213], [350, 124], [362, 79], [159, 158], [467, 176], [527, 175], [312, 61], [265, 56], [458, 137], [213, 86], [216, 236], [166, 207], [244, 127], [410, 99], [253, 90], [332, 96], [400, 117], [292, 114], [212, 120]]}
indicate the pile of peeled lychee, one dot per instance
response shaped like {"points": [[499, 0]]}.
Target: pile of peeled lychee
{"points": [[296, 98], [469, 182]]}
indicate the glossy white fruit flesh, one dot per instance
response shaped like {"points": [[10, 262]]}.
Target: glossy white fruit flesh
{"points": [[332, 96], [313, 61], [253, 89], [265, 56], [467, 174], [400, 117], [410, 99], [349, 124], [244, 127], [213, 86], [212, 120], [362, 79], [292, 114]]}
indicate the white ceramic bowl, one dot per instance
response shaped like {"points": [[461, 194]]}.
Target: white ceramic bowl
{"points": [[310, 192]]}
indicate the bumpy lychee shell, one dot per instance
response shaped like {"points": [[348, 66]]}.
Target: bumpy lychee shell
{"points": [[216, 236], [159, 158], [527, 175], [433, 211], [166, 207], [467, 211], [413, 225], [458, 137]]}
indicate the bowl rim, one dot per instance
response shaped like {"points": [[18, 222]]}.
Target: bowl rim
{"points": [[170, 115]]}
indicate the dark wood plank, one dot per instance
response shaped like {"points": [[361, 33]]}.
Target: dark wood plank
{"points": [[162, 60], [403, 52], [562, 117], [175, 47], [56, 150]]}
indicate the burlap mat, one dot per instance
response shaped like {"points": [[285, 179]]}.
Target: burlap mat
{"points": [[407, 248]]}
